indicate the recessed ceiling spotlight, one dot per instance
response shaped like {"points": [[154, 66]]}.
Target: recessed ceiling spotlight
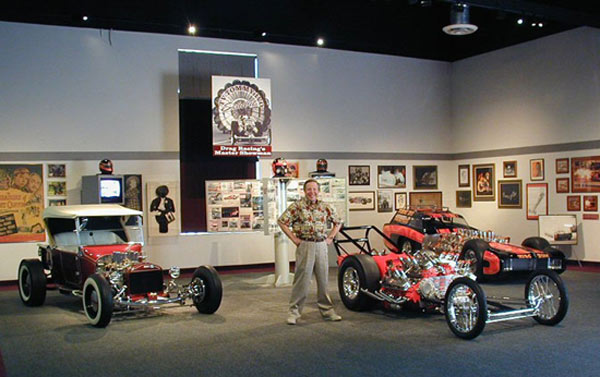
{"points": [[192, 29], [85, 18], [320, 42], [520, 21], [263, 34], [540, 24], [533, 24]]}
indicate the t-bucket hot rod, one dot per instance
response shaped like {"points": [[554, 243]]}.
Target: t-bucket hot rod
{"points": [[434, 279], [95, 252]]}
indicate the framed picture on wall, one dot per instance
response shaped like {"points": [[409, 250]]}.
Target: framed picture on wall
{"points": [[385, 201], [509, 194], [590, 202], [361, 200], [536, 169], [573, 203], [425, 177], [463, 176], [391, 176], [463, 199], [359, 175], [585, 174], [562, 185], [537, 200], [425, 199], [57, 171], [484, 183], [399, 200], [562, 165], [509, 169]]}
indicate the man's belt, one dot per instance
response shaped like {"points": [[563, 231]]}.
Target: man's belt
{"points": [[314, 239]]}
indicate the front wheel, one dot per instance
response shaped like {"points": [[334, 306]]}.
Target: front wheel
{"points": [[32, 282], [207, 289], [97, 300], [465, 307], [546, 292]]}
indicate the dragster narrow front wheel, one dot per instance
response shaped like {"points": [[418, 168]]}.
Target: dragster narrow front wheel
{"points": [[546, 292], [465, 307]]}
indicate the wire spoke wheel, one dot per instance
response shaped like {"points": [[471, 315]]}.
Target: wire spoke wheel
{"points": [[471, 258], [546, 293], [351, 283], [465, 308]]}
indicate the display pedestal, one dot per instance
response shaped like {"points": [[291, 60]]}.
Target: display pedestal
{"points": [[282, 261]]}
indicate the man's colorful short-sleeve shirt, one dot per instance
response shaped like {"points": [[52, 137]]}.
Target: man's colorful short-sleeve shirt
{"points": [[309, 220]]}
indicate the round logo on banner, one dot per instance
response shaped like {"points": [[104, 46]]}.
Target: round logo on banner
{"points": [[242, 110]]}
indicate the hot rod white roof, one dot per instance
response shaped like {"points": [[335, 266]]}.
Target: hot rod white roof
{"points": [[87, 210]]}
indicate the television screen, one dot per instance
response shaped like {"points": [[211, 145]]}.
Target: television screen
{"points": [[111, 190]]}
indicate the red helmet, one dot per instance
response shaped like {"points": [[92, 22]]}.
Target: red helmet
{"points": [[106, 166], [321, 164], [280, 168]]}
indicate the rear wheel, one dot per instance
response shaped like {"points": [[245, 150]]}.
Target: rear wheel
{"points": [[473, 252], [32, 282], [207, 289], [357, 273], [546, 291], [536, 243], [97, 300], [406, 246], [465, 307]]}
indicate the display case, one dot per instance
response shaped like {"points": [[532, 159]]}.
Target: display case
{"points": [[558, 229]]}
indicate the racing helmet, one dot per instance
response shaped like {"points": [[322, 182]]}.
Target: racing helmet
{"points": [[280, 168], [321, 164], [106, 166]]}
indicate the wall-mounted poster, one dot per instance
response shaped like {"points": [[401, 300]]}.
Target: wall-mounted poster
{"points": [[536, 169], [133, 191], [562, 185], [463, 199], [509, 169], [573, 203], [385, 201], [57, 171], [400, 200], [391, 176], [585, 174], [241, 116], [537, 200], [562, 165], [590, 202], [359, 175], [163, 208], [509, 194], [484, 176], [57, 188], [361, 200], [21, 203], [425, 200], [293, 169], [425, 177], [463, 176]]}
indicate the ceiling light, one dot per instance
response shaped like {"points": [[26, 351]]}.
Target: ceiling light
{"points": [[520, 21], [459, 21], [192, 29], [320, 42], [540, 24], [85, 18], [264, 34]]}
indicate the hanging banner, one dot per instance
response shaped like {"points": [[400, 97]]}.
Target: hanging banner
{"points": [[21, 203], [241, 116]]}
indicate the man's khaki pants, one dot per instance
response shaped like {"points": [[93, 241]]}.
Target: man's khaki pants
{"points": [[311, 257]]}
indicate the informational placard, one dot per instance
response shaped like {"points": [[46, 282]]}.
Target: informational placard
{"points": [[241, 116], [558, 229], [234, 206]]}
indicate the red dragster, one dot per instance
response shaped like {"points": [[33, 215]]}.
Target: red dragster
{"points": [[489, 254]]}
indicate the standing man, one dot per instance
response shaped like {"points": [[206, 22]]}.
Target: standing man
{"points": [[308, 219]]}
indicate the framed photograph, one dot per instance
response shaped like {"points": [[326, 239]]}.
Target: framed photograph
{"points": [[133, 191], [536, 169], [573, 203], [585, 174], [391, 176], [510, 193], [162, 206], [590, 202], [400, 200], [463, 199], [57, 202], [425, 199], [425, 177], [385, 200], [361, 200], [359, 175], [293, 169], [57, 188], [484, 182], [463, 176], [562, 185], [562, 165], [537, 200], [509, 169], [57, 171]]}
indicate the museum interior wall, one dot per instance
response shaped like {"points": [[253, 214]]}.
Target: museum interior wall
{"points": [[72, 95]]}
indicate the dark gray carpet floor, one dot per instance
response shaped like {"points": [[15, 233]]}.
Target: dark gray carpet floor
{"points": [[248, 336]]}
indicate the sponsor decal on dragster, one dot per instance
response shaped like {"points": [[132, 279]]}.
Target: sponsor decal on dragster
{"points": [[403, 231], [520, 252], [493, 263]]}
